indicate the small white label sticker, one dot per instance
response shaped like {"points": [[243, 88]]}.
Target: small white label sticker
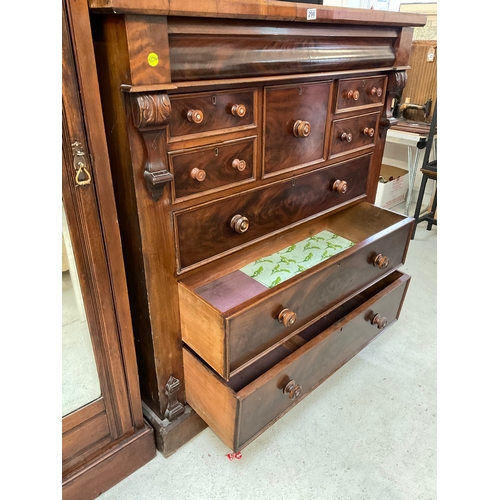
{"points": [[311, 14]]}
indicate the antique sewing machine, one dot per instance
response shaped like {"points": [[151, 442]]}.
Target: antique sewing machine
{"points": [[401, 108]]}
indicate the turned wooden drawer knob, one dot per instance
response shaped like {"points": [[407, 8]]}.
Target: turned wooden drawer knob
{"points": [[292, 389], [239, 110], [353, 94], [376, 91], [380, 321], [287, 317], [339, 186], [301, 128], [369, 131], [195, 115], [239, 223], [239, 164], [198, 174], [381, 261], [346, 137]]}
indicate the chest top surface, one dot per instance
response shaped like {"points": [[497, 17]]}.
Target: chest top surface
{"points": [[259, 9]]}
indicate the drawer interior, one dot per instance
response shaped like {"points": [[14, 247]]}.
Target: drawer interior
{"points": [[235, 285], [241, 379]]}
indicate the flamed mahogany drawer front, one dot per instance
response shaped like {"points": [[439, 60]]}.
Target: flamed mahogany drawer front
{"points": [[358, 92], [212, 168], [239, 410], [231, 320], [227, 224], [295, 123], [211, 112], [353, 133]]}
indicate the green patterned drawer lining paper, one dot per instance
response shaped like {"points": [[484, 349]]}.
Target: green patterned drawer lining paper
{"points": [[295, 259]]}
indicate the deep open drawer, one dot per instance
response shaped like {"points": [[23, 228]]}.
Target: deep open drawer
{"points": [[231, 319], [239, 410]]}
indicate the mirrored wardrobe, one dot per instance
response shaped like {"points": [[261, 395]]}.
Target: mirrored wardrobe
{"points": [[104, 436]]}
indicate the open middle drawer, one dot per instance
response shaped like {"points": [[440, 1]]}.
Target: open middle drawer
{"points": [[235, 317]]}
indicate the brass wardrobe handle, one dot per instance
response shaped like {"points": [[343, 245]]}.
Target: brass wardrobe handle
{"points": [[80, 165]]}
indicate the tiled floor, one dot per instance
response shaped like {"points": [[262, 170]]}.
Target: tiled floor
{"points": [[367, 433]]}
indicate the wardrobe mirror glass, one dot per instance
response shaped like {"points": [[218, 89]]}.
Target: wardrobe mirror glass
{"points": [[80, 381]]}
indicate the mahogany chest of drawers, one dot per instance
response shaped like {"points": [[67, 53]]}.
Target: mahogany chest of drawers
{"points": [[245, 141]]}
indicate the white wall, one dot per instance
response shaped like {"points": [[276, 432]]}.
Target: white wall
{"points": [[377, 4], [359, 4], [394, 4]]}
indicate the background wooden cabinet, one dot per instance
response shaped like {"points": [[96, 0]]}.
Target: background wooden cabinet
{"points": [[104, 437]]}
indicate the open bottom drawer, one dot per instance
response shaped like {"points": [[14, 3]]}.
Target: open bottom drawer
{"points": [[240, 409]]}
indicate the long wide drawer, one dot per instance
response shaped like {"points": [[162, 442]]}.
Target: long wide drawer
{"points": [[225, 225], [236, 317], [239, 410]]}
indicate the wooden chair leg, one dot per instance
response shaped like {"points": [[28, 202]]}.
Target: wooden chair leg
{"points": [[432, 213], [418, 206]]}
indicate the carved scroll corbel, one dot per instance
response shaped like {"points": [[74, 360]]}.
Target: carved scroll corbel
{"points": [[151, 114], [395, 85]]}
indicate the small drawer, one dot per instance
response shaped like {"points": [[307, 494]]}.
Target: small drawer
{"points": [[225, 225], [295, 120], [212, 168], [241, 409], [231, 320], [210, 113], [360, 92], [351, 134]]}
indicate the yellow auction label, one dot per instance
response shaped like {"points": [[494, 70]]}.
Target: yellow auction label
{"points": [[153, 59]]}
